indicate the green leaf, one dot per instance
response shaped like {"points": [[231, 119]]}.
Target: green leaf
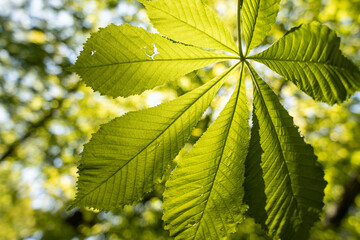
{"points": [[203, 197], [255, 197], [294, 184], [257, 17], [128, 155], [125, 60], [191, 22], [309, 56]]}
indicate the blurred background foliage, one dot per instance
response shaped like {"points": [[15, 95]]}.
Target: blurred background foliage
{"points": [[47, 114]]}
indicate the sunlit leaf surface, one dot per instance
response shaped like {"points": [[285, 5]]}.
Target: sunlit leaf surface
{"points": [[292, 179], [257, 17], [192, 22], [126, 60], [309, 56], [203, 197], [128, 155]]}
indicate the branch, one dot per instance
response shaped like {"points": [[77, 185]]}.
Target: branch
{"points": [[352, 189], [34, 126]]}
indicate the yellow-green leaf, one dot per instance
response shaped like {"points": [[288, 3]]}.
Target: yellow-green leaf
{"points": [[257, 17], [191, 22], [292, 179], [128, 155], [126, 60], [203, 197], [309, 56]]}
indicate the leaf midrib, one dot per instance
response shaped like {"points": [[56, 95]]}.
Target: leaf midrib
{"points": [[227, 47], [152, 141], [156, 60], [223, 149], [296, 61]]}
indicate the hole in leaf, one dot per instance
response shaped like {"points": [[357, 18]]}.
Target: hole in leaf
{"points": [[155, 52]]}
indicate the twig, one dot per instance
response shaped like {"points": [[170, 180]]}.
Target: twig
{"points": [[34, 126], [352, 189]]}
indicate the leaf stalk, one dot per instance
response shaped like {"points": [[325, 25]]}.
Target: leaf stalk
{"points": [[242, 58]]}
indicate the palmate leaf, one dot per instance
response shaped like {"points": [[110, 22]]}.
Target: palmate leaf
{"points": [[309, 56], [191, 22], [274, 172], [128, 155], [257, 17], [125, 60], [293, 180], [203, 197]]}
